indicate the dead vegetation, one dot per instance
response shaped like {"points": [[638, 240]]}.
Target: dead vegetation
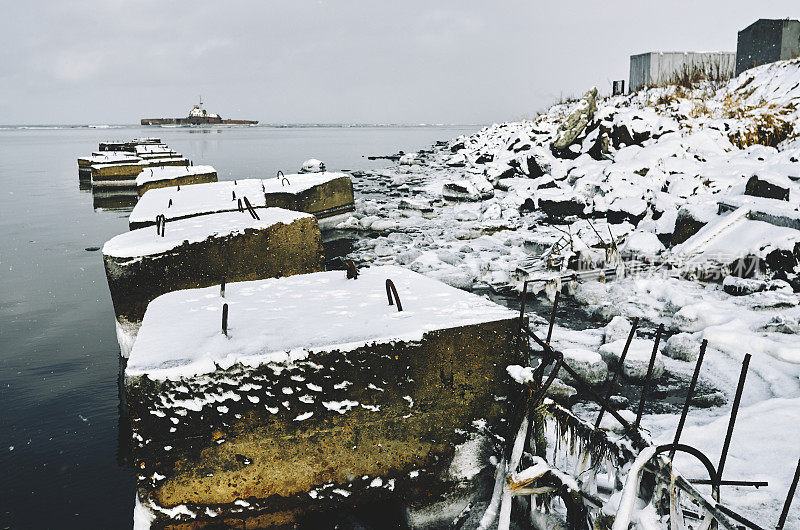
{"points": [[765, 128]]}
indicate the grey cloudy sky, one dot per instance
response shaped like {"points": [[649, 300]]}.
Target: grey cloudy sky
{"points": [[115, 61]]}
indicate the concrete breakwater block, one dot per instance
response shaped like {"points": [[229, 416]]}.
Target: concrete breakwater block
{"points": [[167, 176], [326, 195], [85, 163], [123, 174], [320, 394], [129, 145], [142, 264]]}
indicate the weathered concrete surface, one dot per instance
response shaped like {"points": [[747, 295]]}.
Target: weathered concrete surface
{"points": [[325, 199], [265, 250], [415, 403], [124, 174], [191, 175]]}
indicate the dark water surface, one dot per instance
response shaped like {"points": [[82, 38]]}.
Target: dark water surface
{"points": [[61, 467]]}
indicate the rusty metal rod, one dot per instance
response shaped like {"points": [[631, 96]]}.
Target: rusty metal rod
{"points": [[789, 498], [685, 410], [618, 371], [391, 290], [587, 388], [522, 304], [738, 518], [751, 483], [646, 385], [222, 288], [352, 271], [734, 412], [240, 205], [225, 319], [553, 317]]}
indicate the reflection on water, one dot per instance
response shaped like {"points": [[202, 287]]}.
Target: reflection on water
{"points": [[63, 431]]}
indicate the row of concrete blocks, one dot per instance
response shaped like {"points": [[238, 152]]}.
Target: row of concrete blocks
{"points": [[316, 392]]}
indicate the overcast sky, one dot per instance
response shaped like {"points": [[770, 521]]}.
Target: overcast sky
{"points": [[337, 61]]}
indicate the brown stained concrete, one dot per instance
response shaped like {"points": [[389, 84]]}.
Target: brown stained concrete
{"points": [[279, 250], [454, 377], [331, 198], [130, 170], [199, 178]]}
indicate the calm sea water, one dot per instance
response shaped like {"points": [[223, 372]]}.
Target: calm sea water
{"points": [[60, 456]]}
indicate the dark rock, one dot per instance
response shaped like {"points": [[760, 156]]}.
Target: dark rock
{"points": [[685, 227], [558, 208], [534, 169], [781, 260], [758, 187], [456, 147], [621, 136], [620, 216], [746, 267], [737, 286], [484, 158]]}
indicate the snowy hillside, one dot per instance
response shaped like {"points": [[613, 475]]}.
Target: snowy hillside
{"points": [[690, 193]]}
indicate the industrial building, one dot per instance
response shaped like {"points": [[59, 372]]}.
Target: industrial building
{"points": [[658, 68], [766, 41]]}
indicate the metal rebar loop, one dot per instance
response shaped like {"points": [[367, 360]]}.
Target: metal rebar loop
{"points": [[391, 290]]}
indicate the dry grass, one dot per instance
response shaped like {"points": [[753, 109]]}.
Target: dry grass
{"points": [[765, 128]]}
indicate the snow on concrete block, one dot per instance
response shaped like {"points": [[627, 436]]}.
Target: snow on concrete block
{"points": [[124, 174], [588, 364], [321, 393], [327, 195], [165, 176], [141, 264], [636, 361], [199, 199]]}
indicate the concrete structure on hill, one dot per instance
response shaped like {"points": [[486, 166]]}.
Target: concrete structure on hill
{"points": [[766, 41], [658, 68]]}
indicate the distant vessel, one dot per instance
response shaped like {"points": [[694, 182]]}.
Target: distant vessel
{"points": [[197, 116]]}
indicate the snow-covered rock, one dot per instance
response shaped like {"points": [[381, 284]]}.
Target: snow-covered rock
{"points": [[312, 165]]}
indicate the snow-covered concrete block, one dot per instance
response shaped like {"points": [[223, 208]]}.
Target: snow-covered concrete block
{"points": [[166, 176], [328, 196], [85, 163], [321, 393], [124, 173], [200, 251]]}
